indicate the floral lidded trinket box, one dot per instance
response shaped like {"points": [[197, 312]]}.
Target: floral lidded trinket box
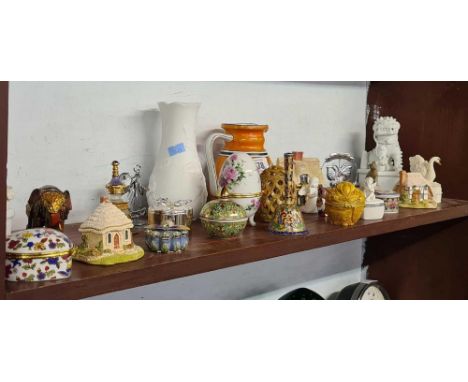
{"points": [[223, 218], [38, 254]]}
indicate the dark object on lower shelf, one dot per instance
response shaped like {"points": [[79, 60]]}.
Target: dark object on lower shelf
{"points": [[301, 294], [363, 291]]}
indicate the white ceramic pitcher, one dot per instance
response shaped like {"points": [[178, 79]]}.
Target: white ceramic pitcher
{"points": [[177, 173]]}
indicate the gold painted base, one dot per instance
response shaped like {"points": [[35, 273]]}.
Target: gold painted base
{"points": [[288, 220], [109, 258], [422, 204]]}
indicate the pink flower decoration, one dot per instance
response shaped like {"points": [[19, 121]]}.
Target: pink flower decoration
{"points": [[229, 175]]}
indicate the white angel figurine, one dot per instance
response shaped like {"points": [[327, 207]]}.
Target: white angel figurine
{"points": [[369, 189]]}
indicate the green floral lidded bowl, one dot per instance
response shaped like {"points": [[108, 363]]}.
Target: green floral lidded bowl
{"points": [[223, 218]]}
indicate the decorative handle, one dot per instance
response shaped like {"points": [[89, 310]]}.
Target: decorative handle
{"points": [[213, 181]]}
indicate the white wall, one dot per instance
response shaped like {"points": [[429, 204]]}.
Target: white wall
{"points": [[67, 133]]}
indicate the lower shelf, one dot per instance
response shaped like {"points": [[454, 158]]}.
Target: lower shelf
{"points": [[205, 254]]}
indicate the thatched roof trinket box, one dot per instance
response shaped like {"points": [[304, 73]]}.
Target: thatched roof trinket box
{"points": [[107, 237]]}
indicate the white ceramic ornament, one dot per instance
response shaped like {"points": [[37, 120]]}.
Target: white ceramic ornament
{"points": [[386, 154], [310, 191], [426, 169], [177, 173], [374, 208], [240, 178]]}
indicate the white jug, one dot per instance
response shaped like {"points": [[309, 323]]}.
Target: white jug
{"points": [[177, 173]]}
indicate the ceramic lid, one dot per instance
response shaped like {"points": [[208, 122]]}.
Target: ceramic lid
{"points": [[173, 228], [345, 195], [223, 210], [36, 242], [387, 194]]}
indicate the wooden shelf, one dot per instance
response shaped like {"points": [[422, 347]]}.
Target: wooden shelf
{"points": [[205, 254]]}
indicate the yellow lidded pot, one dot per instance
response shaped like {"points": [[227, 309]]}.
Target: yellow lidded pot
{"points": [[344, 204]]}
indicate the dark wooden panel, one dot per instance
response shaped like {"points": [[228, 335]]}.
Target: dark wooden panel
{"points": [[205, 254], [3, 177], [427, 262]]}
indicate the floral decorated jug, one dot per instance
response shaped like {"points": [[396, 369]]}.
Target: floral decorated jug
{"points": [[238, 176], [248, 138], [177, 173]]}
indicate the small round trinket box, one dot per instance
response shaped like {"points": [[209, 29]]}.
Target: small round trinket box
{"points": [[391, 201], [374, 210], [344, 204], [167, 239], [223, 218], [38, 254]]}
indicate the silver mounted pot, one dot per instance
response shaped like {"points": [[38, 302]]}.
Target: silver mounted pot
{"points": [[171, 213]]}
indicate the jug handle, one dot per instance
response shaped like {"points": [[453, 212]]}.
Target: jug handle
{"points": [[212, 179]]}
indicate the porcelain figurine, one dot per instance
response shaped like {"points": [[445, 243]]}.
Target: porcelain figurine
{"points": [[309, 193], [273, 192], [321, 200], [177, 173], [223, 218], [344, 204], [373, 172], [339, 167], [48, 207], [288, 219], [374, 208], [137, 203], [386, 154], [426, 169], [10, 212], [107, 237], [243, 137], [240, 179], [415, 191], [38, 254]]}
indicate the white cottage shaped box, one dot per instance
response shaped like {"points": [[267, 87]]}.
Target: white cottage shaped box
{"points": [[107, 237]]}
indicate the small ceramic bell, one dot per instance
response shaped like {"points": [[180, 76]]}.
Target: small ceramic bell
{"points": [[288, 218]]}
